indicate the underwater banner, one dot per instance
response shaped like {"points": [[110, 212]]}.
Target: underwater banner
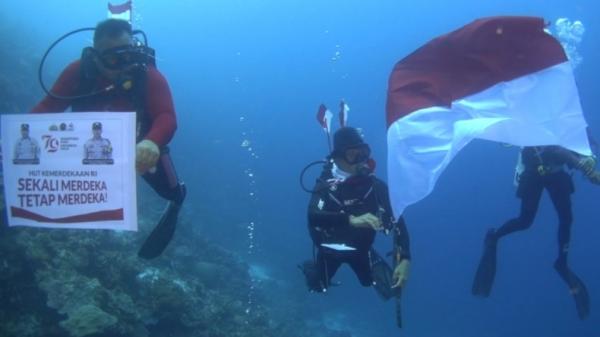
{"points": [[70, 170]]}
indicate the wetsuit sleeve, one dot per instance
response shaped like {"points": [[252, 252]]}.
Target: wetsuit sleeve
{"points": [[159, 103], [567, 156], [67, 85], [319, 217]]}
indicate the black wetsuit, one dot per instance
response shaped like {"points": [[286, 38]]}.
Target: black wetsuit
{"points": [[328, 221], [544, 169]]}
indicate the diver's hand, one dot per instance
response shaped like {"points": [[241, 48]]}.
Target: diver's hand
{"points": [[587, 165], [401, 273], [146, 155], [367, 220], [594, 177]]}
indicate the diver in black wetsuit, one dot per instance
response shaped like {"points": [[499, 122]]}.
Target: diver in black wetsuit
{"points": [[348, 206], [543, 168]]}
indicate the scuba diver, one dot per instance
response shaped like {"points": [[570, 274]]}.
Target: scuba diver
{"points": [[542, 167], [348, 206], [119, 74]]}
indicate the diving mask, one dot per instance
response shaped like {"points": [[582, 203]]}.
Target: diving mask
{"points": [[357, 154], [123, 57]]}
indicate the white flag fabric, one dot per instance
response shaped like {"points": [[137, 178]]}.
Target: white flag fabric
{"points": [[501, 79]]}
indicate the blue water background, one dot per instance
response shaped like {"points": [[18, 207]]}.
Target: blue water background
{"points": [[257, 71]]}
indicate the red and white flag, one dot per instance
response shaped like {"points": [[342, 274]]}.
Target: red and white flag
{"points": [[324, 117], [501, 78], [123, 11]]}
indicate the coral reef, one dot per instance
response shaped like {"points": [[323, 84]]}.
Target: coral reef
{"points": [[76, 283], [87, 320]]}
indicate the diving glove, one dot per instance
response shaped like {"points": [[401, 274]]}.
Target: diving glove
{"points": [[367, 220], [401, 273], [594, 177], [146, 157], [587, 165]]}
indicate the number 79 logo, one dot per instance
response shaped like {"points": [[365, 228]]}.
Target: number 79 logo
{"points": [[50, 143]]}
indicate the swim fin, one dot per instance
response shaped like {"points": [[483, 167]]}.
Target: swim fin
{"points": [[162, 234], [383, 279], [486, 271], [577, 289], [582, 298], [311, 276]]}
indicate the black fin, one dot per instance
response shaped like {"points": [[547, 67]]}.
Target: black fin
{"points": [[162, 234], [582, 299], [486, 271], [576, 287], [311, 276]]}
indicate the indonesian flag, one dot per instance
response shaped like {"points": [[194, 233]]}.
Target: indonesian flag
{"points": [[501, 78], [122, 11]]}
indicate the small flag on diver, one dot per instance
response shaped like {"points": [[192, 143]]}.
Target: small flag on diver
{"points": [[324, 118], [123, 11]]}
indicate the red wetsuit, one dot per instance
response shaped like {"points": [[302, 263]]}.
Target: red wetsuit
{"points": [[158, 105], [159, 124]]}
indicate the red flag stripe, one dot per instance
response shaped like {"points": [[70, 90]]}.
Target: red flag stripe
{"points": [[108, 215], [118, 9], [469, 60], [321, 116]]}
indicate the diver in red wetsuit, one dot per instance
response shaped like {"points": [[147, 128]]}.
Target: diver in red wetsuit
{"points": [[119, 74]]}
